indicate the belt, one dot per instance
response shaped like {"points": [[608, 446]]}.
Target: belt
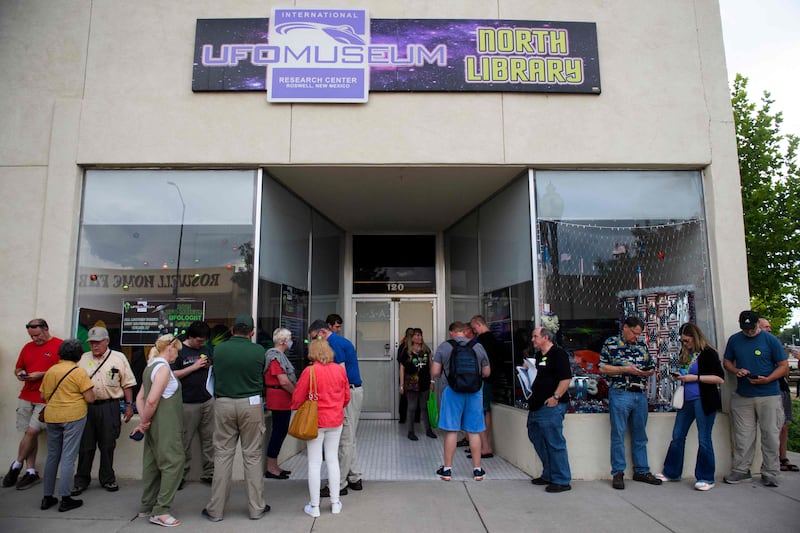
{"points": [[634, 388], [355, 386], [274, 387], [99, 402]]}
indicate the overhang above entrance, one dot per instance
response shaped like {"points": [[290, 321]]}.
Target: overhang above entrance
{"points": [[395, 199]]}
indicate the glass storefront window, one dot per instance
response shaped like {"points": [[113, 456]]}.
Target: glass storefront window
{"points": [[617, 243], [162, 248]]}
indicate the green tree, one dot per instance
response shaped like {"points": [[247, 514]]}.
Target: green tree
{"points": [[771, 203]]}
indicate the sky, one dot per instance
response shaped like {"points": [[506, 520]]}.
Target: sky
{"points": [[762, 42]]}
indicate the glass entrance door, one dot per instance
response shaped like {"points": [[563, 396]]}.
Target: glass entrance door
{"points": [[380, 324]]}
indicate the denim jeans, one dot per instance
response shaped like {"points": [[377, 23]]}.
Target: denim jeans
{"points": [[628, 408], [63, 442], [704, 467], [545, 431]]}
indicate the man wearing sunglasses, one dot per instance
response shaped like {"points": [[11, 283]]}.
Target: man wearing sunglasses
{"points": [[34, 360]]}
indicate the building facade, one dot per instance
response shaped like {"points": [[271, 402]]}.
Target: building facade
{"points": [[561, 163]]}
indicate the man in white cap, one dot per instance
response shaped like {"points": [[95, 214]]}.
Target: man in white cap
{"points": [[113, 381]]}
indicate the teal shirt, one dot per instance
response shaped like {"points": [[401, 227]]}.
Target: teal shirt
{"points": [[238, 369]]}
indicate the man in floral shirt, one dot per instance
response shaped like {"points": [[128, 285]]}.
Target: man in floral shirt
{"points": [[625, 362]]}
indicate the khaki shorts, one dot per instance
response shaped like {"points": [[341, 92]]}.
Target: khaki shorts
{"points": [[28, 416]]}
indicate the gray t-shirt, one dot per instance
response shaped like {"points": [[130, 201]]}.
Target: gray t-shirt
{"points": [[444, 350]]}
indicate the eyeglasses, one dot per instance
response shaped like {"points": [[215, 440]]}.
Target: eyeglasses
{"points": [[32, 326]]}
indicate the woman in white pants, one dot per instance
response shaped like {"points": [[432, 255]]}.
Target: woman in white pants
{"points": [[326, 381]]}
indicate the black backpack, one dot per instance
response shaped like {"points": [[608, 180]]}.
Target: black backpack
{"points": [[464, 372]]}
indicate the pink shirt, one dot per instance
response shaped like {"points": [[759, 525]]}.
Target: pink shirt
{"points": [[333, 390]]}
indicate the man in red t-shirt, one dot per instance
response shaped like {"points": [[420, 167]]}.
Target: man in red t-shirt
{"points": [[35, 358]]}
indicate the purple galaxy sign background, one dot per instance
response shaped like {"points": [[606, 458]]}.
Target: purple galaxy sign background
{"points": [[459, 36]]}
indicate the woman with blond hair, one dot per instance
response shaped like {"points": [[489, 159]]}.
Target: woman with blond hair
{"points": [[160, 409], [332, 390], [700, 373]]}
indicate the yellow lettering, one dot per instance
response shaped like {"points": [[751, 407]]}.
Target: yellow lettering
{"points": [[499, 69], [536, 70], [558, 42], [505, 40], [518, 69], [486, 40], [573, 68], [554, 74]]}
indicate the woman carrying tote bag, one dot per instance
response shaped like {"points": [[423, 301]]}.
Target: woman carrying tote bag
{"points": [[333, 393]]}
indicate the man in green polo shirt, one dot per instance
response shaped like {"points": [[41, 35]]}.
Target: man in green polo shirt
{"points": [[238, 416]]}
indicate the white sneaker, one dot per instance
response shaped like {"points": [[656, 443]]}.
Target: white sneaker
{"points": [[311, 510], [336, 507], [702, 485], [664, 478]]}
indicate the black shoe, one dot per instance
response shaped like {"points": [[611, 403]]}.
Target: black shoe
{"points": [[325, 492], [445, 474], [618, 483], [463, 442], [412, 436], [354, 485], [270, 475], [207, 480], [182, 484], [68, 504], [111, 487], [28, 480], [648, 478], [209, 517], [77, 490], [261, 514], [540, 481], [48, 502], [10, 479], [555, 487], [431, 434]]}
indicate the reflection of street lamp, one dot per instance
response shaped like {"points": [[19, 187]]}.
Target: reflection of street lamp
{"points": [[180, 241]]}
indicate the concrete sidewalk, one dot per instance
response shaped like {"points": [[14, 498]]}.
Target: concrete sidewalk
{"points": [[463, 506]]}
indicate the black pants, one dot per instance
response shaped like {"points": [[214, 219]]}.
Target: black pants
{"points": [[102, 429]]}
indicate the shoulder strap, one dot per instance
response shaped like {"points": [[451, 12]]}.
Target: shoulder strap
{"points": [[312, 384], [96, 370], [62, 379]]}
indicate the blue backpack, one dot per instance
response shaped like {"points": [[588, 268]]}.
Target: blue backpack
{"points": [[464, 372]]}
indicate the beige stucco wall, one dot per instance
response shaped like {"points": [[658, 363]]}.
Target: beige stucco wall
{"points": [[109, 83]]}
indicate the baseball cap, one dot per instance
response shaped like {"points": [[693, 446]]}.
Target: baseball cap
{"points": [[98, 334], [748, 320], [245, 320]]}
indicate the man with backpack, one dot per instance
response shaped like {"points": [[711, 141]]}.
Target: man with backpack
{"points": [[462, 364]]}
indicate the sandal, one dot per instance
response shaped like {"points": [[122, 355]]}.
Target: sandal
{"points": [[786, 466], [165, 520]]}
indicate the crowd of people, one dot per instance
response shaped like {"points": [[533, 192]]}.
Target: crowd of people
{"points": [[188, 390]]}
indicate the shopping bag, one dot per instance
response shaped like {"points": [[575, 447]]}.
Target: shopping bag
{"points": [[305, 422], [677, 398], [433, 410]]}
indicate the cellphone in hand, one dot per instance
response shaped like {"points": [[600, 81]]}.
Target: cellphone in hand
{"points": [[137, 435], [753, 376]]}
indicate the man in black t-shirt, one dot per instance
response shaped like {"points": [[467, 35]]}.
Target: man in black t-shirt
{"points": [[191, 367], [548, 405]]}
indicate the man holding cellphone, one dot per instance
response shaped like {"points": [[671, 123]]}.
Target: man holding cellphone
{"points": [[758, 361], [35, 358]]}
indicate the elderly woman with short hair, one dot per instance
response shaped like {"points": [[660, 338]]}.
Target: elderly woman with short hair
{"points": [[279, 378], [67, 389]]}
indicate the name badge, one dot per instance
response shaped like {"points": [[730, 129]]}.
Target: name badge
{"points": [[255, 400]]}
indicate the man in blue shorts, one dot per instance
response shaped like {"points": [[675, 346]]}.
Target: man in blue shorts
{"points": [[460, 410]]}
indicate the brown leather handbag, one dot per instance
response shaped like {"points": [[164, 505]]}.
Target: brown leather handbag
{"points": [[305, 423]]}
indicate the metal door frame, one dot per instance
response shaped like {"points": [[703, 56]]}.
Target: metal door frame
{"points": [[394, 341]]}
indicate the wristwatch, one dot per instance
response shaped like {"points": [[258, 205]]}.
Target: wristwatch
{"points": [[556, 396]]}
